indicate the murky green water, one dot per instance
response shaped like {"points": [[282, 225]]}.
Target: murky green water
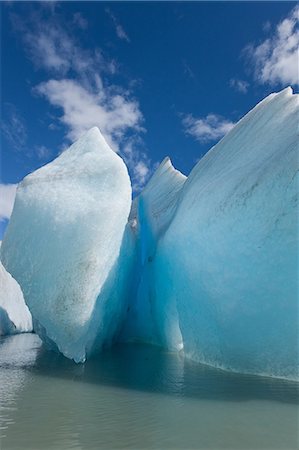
{"points": [[137, 397]]}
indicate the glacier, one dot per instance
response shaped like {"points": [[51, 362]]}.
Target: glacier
{"points": [[14, 313], [205, 264], [64, 243]]}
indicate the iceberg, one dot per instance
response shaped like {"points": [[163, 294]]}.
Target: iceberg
{"points": [[229, 258], [206, 264], [66, 246], [14, 314]]}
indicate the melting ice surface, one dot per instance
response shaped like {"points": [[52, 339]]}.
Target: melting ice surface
{"points": [[208, 263]]}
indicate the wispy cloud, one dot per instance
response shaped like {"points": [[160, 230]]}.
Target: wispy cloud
{"points": [[239, 85], [209, 128], [275, 60], [80, 87], [52, 47], [120, 32], [13, 128], [267, 26], [7, 198], [42, 152], [80, 21], [187, 70]]}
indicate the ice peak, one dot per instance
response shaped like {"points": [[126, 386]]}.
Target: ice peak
{"points": [[92, 131], [90, 140], [287, 91], [166, 164], [165, 171]]}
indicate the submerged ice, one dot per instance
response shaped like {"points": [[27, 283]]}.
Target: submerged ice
{"points": [[206, 263]]}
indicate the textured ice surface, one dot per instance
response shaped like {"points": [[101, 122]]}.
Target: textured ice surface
{"points": [[229, 259], [65, 241], [14, 314], [150, 217]]}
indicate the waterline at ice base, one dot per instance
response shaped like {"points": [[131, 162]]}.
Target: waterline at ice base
{"points": [[206, 265]]}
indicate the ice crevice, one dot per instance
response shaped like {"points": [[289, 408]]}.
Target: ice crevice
{"points": [[151, 215]]}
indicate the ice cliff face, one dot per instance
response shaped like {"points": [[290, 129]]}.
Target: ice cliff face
{"points": [[208, 263], [14, 314], [64, 242], [229, 259]]}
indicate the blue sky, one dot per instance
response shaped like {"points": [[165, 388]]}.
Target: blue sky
{"points": [[157, 78]]}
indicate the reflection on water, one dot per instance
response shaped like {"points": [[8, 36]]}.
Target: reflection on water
{"points": [[137, 397]]}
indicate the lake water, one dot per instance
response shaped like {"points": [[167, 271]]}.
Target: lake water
{"points": [[137, 397]]}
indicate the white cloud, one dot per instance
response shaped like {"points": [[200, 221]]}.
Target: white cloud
{"points": [[142, 170], [120, 32], [7, 198], [209, 128], [276, 59], [86, 100], [138, 163], [239, 85], [84, 108], [80, 88]]}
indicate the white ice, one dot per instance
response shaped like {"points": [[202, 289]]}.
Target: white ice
{"points": [[64, 243]]}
